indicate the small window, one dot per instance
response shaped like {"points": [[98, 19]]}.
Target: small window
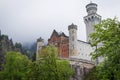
{"points": [[92, 17], [89, 19]]}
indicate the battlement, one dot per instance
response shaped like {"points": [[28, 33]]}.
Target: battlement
{"points": [[40, 40], [72, 26]]}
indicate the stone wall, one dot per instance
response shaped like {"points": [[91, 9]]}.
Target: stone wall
{"points": [[84, 50], [81, 68]]}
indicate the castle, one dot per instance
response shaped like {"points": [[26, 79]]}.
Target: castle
{"points": [[76, 51], [70, 46]]}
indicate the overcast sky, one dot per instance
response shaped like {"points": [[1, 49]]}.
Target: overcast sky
{"points": [[27, 20]]}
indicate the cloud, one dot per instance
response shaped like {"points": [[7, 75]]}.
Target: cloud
{"points": [[27, 20]]}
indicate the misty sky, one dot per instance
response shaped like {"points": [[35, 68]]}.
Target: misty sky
{"points": [[27, 20]]}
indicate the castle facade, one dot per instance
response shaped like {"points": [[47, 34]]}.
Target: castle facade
{"points": [[77, 51], [70, 46]]}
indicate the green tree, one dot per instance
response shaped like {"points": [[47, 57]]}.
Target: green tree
{"points": [[18, 47], [49, 67], [108, 34], [16, 66], [92, 74]]}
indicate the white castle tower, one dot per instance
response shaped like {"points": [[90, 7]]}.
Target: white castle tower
{"points": [[91, 19], [72, 40], [40, 43]]}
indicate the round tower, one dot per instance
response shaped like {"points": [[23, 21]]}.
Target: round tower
{"points": [[40, 43], [72, 40], [91, 19], [91, 8]]}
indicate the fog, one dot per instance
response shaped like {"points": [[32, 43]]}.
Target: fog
{"points": [[26, 20]]}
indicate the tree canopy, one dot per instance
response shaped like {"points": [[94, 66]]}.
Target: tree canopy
{"points": [[107, 33], [16, 66], [49, 67]]}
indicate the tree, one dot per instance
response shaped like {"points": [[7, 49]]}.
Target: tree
{"points": [[16, 66], [49, 67], [108, 34], [92, 74]]}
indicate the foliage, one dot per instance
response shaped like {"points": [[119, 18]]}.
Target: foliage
{"points": [[33, 56], [108, 34], [64, 70], [18, 45], [92, 74], [30, 50], [16, 66], [3, 36], [49, 67]]}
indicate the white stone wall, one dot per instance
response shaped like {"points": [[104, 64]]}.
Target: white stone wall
{"points": [[39, 47], [90, 21], [72, 42], [84, 50]]}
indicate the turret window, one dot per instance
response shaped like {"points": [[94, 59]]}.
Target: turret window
{"points": [[92, 17], [86, 20], [89, 19]]}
